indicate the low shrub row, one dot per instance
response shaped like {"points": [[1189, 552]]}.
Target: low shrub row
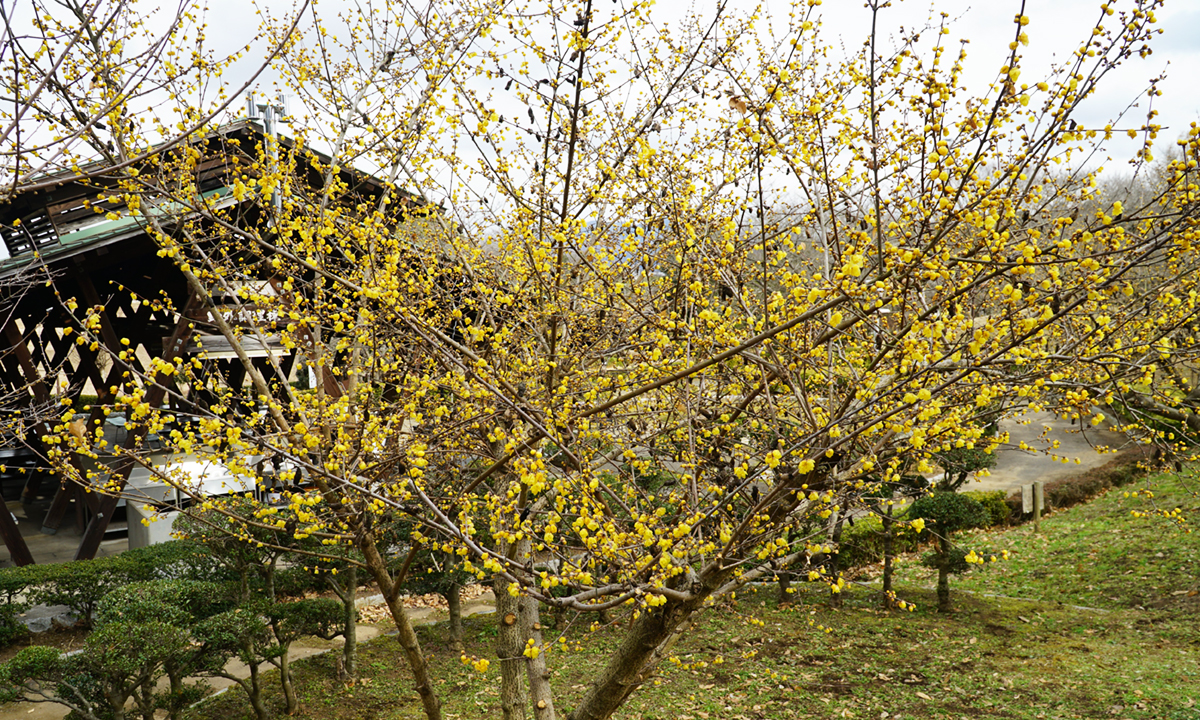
{"points": [[1124, 468], [150, 637], [862, 542], [80, 585]]}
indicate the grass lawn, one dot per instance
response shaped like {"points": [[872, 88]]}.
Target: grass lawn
{"points": [[1105, 627]]}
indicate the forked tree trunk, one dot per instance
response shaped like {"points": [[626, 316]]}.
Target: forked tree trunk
{"points": [[143, 697], [116, 704], [253, 688], [509, 649], [291, 702]]}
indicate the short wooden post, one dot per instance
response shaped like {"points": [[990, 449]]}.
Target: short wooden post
{"points": [[1039, 501]]}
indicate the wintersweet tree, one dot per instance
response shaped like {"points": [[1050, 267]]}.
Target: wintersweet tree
{"points": [[572, 338]]}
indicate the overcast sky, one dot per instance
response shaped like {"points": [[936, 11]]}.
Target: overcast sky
{"points": [[1057, 27]]}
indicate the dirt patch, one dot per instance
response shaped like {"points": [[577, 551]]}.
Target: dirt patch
{"points": [[379, 614], [913, 677], [967, 710], [832, 684], [998, 630], [1180, 599], [65, 639]]}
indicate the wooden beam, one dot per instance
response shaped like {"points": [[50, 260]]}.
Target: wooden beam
{"points": [[120, 472], [81, 516], [109, 336], [87, 359], [58, 507], [17, 342], [66, 489], [33, 486], [93, 299], [17, 549]]}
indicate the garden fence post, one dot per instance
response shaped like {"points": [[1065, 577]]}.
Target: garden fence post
{"points": [[1039, 501]]}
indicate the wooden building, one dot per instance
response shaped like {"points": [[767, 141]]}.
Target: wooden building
{"points": [[65, 232]]}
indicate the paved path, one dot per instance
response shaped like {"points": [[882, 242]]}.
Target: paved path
{"points": [[1016, 467]]}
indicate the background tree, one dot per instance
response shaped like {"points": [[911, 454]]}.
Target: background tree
{"points": [[120, 662], [434, 571], [292, 621], [947, 512], [244, 633], [339, 573], [179, 604]]}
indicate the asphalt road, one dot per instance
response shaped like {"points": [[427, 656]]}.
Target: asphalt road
{"points": [[1080, 450]]}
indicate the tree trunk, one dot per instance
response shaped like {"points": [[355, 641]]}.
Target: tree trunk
{"points": [[943, 588], [291, 702], [116, 703], [254, 692], [269, 572], [785, 587], [405, 633], [244, 583], [454, 605], [350, 619], [541, 696], [888, 550], [143, 697], [175, 703], [835, 595], [509, 649], [648, 641]]}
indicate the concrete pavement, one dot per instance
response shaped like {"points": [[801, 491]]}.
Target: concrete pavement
{"points": [[1077, 451]]}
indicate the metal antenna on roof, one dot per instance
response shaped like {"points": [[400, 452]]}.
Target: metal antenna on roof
{"points": [[270, 114]]}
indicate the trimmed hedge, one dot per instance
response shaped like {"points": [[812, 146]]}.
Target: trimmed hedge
{"points": [[862, 543], [80, 584], [995, 503], [949, 512], [178, 602], [176, 560], [14, 582], [1126, 467]]}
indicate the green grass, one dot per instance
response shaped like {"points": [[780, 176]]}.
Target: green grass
{"points": [[1097, 554], [1136, 654]]}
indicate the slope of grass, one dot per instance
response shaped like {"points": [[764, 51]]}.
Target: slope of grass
{"points": [[1100, 555], [1135, 654]]}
